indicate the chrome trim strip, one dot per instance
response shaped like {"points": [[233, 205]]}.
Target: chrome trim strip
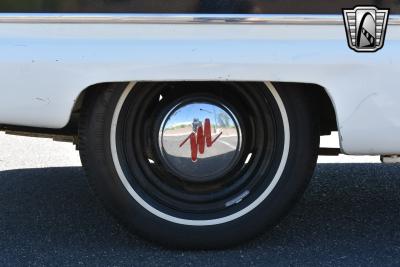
{"points": [[116, 18]]}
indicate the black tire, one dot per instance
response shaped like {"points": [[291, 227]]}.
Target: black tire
{"points": [[276, 183]]}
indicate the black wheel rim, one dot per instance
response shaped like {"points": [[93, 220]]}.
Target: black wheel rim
{"points": [[139, 153]]}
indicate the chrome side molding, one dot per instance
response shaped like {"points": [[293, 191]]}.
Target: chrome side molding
{"points": [[116, 18]]}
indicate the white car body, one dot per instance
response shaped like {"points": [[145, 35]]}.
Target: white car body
{"points": [[46, 61]]}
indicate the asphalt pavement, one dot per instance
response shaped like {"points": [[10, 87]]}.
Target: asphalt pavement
{"points": [[349, 215]]}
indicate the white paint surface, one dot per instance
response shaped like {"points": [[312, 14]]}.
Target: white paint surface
{"points": [[44, 67]]}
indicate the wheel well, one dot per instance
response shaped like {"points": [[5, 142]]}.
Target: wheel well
{"points": [[321, 102], [318, 96]]}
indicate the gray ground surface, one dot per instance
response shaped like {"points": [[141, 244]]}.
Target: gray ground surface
{"points": [[348, 216]]}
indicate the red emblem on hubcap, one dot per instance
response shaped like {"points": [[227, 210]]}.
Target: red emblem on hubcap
{"points": [[199, 138]]}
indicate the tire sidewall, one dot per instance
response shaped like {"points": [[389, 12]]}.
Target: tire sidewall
{"points": [[97, 158]]}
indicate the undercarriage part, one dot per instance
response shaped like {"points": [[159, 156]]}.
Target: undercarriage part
{"points": [[329, 151], [390, 158]]}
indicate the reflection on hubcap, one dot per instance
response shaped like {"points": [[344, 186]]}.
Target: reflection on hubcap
{"points": [[200, 141]]}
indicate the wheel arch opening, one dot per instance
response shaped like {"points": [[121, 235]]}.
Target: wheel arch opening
{"points": [[318, 96], [321, 102]]}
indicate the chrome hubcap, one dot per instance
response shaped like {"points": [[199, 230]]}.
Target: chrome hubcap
{"points": [[200, 141]]}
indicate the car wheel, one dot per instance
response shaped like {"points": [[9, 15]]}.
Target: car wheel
{"points": [[198, 165]]}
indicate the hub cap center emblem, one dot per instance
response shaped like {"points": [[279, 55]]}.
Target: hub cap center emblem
{"points": [[200, 141]]}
